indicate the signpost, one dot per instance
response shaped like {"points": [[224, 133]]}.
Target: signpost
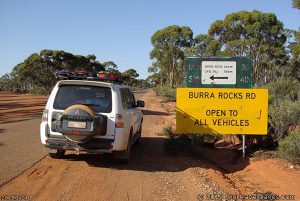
{"points": [[222, 111]]}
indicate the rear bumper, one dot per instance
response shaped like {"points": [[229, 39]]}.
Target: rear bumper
{"points": [[94, 145]]}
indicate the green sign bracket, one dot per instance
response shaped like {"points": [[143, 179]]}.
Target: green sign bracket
{"points": [[218, 72]]}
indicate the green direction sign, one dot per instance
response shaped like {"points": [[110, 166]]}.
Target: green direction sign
{"points": [[220, 72]]}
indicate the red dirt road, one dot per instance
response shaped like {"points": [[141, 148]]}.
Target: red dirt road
{"points": [[20, 147], [18, 107], [151, 175]]}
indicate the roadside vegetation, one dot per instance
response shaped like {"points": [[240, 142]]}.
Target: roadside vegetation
{"points": [[167, 94], [176, 144], [275, 53], [289, 147], [37, 74]]}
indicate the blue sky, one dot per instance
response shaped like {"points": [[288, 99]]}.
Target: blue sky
{"points": [[116, 30]]}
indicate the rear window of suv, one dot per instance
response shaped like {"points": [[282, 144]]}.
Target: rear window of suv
{"points": [[98, 98]]}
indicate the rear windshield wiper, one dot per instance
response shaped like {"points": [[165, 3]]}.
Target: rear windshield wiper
{"points": [[89, 104]]}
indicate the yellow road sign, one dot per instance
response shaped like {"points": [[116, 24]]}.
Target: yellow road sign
{"points": [[221, 111]]}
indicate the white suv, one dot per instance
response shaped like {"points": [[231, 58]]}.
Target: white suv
{"points": [[91, 116]]}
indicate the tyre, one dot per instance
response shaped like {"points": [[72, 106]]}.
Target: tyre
{"points": [[124, 156], [138, 140], [58, 154]]}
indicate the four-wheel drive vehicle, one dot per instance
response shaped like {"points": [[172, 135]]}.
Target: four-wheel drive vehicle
{"points": [[91, 116]]}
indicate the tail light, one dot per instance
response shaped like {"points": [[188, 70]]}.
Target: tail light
{"points": [[76, 132], [45, 115], [103, 76], [109, 76], [114, 76], [119, 121]]}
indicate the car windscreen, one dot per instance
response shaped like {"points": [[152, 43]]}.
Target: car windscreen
{"points": [[97, 98]]}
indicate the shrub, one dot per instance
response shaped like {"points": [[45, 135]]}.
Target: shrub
{"points": [[289, 147], [168, 131], [39, 91], [168, 94], [282, 115], [175, 144], [157, 90], [207, 139], [257, 142], [284, 110], [284, 89]]}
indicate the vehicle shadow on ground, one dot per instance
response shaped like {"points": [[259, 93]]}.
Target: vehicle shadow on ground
{"points": [[1, 131], [152, 112], [150, 157]]}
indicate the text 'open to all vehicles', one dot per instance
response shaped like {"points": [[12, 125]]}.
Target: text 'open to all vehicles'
{"points": [[91, 114]]}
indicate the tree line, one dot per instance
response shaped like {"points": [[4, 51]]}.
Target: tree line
{"points": [[273, 49], [37, 73], [275, 54]]}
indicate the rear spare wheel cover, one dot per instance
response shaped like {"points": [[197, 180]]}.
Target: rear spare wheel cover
{"points": [[77, 123]]}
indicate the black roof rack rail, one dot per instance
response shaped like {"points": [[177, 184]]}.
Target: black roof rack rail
{"points": [[110, 80], [70, 76]]}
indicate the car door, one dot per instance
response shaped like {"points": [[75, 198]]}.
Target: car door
{"points": [[134, 113], [127, 108]]}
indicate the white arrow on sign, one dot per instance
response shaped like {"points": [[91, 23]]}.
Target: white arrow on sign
{"points": [[218, 72]]}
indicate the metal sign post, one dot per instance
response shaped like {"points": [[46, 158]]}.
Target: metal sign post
{"points": [[244, 152]]}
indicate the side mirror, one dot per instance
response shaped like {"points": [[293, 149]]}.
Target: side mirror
{"points": [[130, 105], [140, 103]]}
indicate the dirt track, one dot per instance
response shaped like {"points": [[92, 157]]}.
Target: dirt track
{"points": [[151, 175], [18, 107]]}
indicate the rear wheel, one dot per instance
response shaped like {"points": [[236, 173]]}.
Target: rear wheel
{"points": [[138, 140], [124, 156], [58, 154]]}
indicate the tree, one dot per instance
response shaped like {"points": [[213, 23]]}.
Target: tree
{"points": [[130, 75], [294, 50], [204, 45], [168, 46], [258, 35], [38, 70], [296, 4], [111, 67], [92, 65], [8, 82], [155, 80], [142, 84]]}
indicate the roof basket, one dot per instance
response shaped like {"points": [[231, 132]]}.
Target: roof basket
{"points": [[101, 76]]}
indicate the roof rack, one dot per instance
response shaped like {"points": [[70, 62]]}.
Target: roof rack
{"points": [[101, 76]]}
